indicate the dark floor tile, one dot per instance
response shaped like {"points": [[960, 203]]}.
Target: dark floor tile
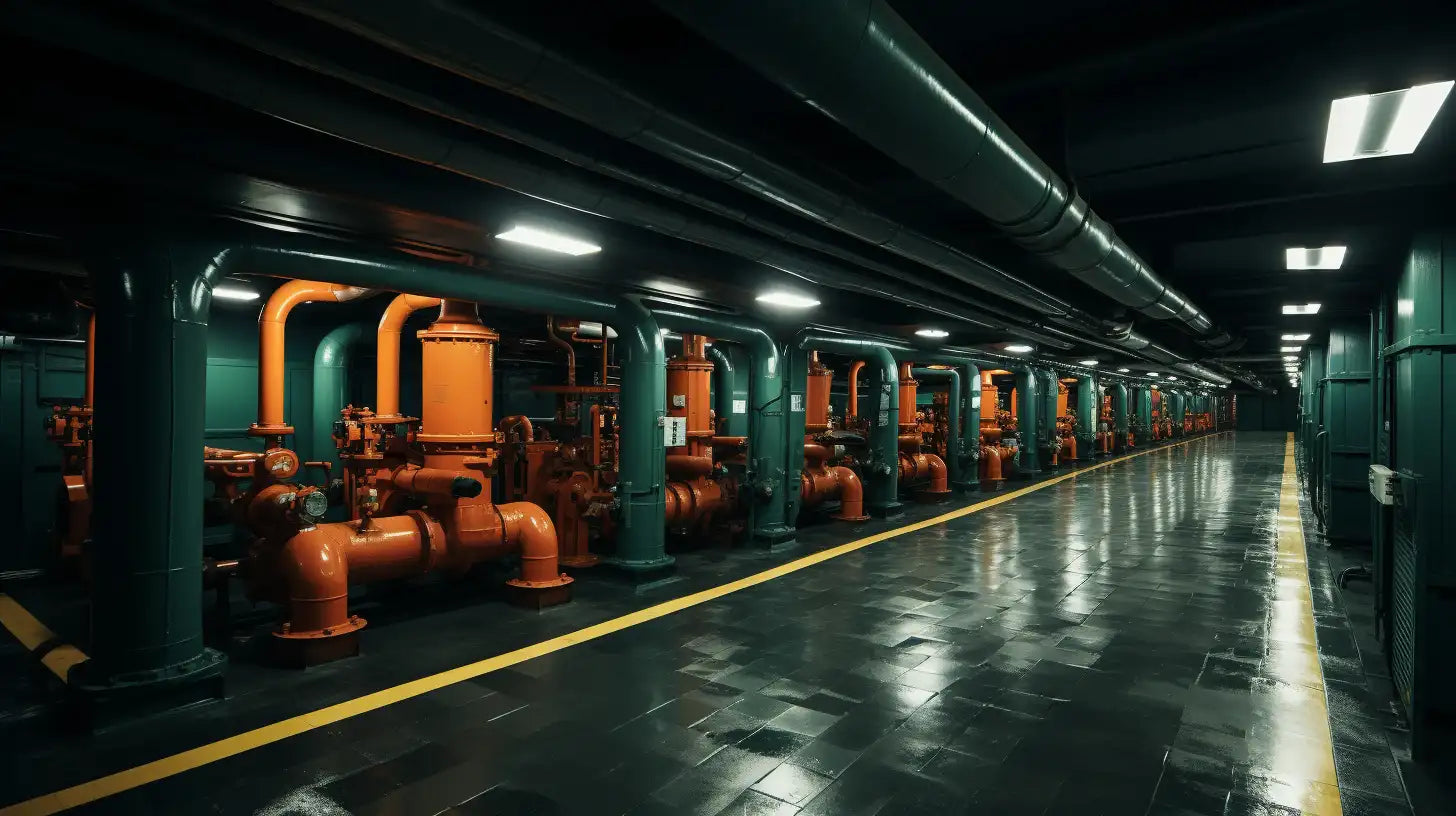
{"points": [[825, 758], [1356, 803], [792, 783], [1369, 772], [753, 803], [807, 721]]}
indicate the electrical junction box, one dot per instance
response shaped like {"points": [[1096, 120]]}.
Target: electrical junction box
{"points": [[675, 431], [1382, 484]]}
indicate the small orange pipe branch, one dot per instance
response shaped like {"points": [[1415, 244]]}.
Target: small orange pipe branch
{"points": [[852, 409], [556, 340], [271, 346], [386, 353]]}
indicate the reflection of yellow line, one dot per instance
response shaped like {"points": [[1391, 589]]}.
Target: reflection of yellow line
{"points": [[1297, 736], [33, 634], [258, 737]]}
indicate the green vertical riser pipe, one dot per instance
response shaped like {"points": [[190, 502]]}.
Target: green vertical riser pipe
{"points": [[331, 390], [1119, 417], [1089, 413], [1046, 429], [730, 386], [768, 488], [953, 444], [882, 471], [153, 296], [1028, 456]]}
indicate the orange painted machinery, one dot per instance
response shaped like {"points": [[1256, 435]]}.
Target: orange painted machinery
{"points": [[925, 472], [1105, 426], [1066, 427], [995, 457], [70, 427], [699, 490], [418, 494], [822, 483]]}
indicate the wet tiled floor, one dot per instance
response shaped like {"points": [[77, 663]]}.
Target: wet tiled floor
{"points": [[1135, 640]]}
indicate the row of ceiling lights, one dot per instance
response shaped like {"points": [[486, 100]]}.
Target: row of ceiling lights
{"points": [[1364, 126]]}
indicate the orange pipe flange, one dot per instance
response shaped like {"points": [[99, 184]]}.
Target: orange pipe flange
{"points": [[386, 353], [271, 345]]}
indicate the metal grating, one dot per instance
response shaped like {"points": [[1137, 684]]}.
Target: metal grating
{"points": [[1404, 589]]}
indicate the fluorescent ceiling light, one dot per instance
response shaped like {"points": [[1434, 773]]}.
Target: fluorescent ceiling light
{"points": [[1171, 378], [551, 241], [1291, 358], [1294, 338], [1019, 348], [1088, 362], [788, 300], [234, 293], [1330, 257], [1301, 308], [1289, 349], [1383, 124], [937, 333], [1123, 370]]}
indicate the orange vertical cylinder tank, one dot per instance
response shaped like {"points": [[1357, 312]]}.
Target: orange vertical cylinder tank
{"points": [[816, 396]]}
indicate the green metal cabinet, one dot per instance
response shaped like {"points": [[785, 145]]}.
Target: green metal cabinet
{"points": [[1344, 447]]}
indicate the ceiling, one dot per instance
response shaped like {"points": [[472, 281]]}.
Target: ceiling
{"points": [[1197, 135]]}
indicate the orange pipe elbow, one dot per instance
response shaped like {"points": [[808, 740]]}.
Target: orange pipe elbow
{"points": [[852, 409], [314, 565], [688, 466], [851, 494], [529, 527], [517, 428], [939, 474], [386, 354], [271, 323]]}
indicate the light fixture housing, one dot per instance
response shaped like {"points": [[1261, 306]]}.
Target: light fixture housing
{"points": [[1019, 348], [230, 292], [787, 300], [1368, 126], [1171, 378], [1123, 370], [1291, 358], [1294, 338], [548, 240], [1088, 363], [1153, 374], [932, 333], [1301, 308], [1327, 257], [1289, 349]]}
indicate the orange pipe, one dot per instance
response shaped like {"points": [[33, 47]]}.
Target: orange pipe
{"points": [[517, 428], [556, 340], [90, 362], [271, 346], [917, 467], [695, 501], [853, 407], [391, 324], [851, 494]]}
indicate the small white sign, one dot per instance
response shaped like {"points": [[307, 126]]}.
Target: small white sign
{"points": [[675, 432], [740, 406], [884, 418], [796, 402]]}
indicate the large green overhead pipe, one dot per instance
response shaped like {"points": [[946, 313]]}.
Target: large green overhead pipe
{"points": [[642, 459], [767, 436], [153, 297], [331, 389], [730, 388], [882, 471], [1089, 414], [954, 452]]}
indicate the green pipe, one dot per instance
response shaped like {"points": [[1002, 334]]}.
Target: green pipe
{"points": [[767, 439], [1119, 417], [331, 389], [1089, 413], [1028, 458], [881, 473], [1144, 407], [730, 385], [153, 297], [953, 451], [1047, 416], [642, 459]]}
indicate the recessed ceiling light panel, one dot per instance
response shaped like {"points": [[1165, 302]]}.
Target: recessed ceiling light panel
{"points": [[227, 292], [1294, 338], [1019, 348], [1289, 349], [1329, 257], [787, 300], [548, 240], [1384, 124], [1087, 363], [1301, 308], [933, 333]]}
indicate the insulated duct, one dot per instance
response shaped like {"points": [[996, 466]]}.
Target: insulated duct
{"points": [[862, 65]]}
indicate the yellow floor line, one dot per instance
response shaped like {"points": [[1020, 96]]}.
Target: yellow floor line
{"points": [[1299, 731], [104, 786], [32, 634]]}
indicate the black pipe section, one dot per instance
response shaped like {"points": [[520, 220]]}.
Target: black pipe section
{"points": [[860, 64]]}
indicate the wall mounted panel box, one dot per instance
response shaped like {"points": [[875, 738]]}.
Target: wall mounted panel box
{"points": [[1382, 484]]}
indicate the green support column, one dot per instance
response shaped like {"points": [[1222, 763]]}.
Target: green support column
{"points": [[1143, 404], [1119, 417], [881, 474], [768, 486], [331, 390], [954, 453], [730, 388], [1028, 456], [1046, 429], [1348, 508], [152, 302], [1089, 413]]}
